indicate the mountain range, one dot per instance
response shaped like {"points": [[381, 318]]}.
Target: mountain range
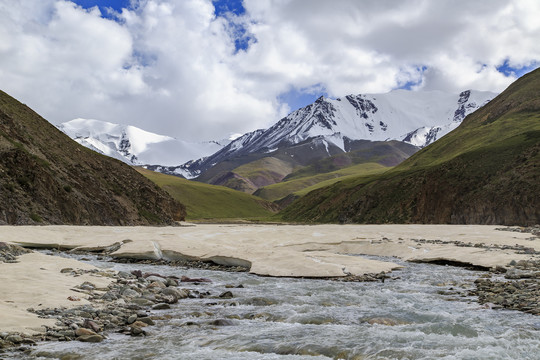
{"points": [[331, 126], [381, 128]]}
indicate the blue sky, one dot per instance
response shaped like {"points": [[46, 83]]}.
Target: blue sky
{"points": [[508, 70], [103, 4]]}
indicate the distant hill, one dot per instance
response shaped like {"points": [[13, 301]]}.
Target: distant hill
{"points": [[47, 178], [253, 172], [487, 171], [302, 185], [204, 201]]}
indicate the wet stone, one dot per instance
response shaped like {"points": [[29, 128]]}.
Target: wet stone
{"points": [[147, 320], [16, 339], [90, 338], [226, 295], [142, 302], [83, 332], [139, 324], [136, 331], [161, 306], [132, 318]]}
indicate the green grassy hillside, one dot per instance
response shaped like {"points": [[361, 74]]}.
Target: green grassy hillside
{"points": [[265, 171], [248, 173], [205, 201], [301, 186], [487, 171], [386, 153], [254, 174]]}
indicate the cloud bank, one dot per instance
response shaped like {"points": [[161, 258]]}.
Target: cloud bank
{"points": [[176, 68]]}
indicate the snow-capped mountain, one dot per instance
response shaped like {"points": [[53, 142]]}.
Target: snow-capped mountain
{"points": [[136, 146], [415, 117]]}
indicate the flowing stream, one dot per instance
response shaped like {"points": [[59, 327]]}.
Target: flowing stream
{"points": [[423, 314]]}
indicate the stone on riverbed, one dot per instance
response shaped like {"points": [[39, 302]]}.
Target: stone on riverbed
{"points": [[142, 302], [136, 331], [161, 306], [226, 295], [14, 338], [146, 320], [83, 331], [90, 338], [87, 335], [132, 318]]}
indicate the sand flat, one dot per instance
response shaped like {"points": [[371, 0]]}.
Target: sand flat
{"points": [[35, 281]]}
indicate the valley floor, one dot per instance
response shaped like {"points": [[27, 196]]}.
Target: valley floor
{"points": [[318, 251]]}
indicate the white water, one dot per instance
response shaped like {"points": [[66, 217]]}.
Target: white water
{"points": [[274, 318]]}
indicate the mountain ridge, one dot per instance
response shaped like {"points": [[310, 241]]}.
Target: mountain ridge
{"points": [[484, 172], [418, 117]]}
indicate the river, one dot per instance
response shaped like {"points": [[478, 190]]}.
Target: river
{"points": [[425, 312]]}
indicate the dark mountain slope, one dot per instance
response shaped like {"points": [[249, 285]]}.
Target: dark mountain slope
{"points": [[487, 171], [45, 177]]}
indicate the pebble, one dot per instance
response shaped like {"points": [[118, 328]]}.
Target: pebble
{"points": [[139, 324], [131, 319], [136, 331], [16, 339], [142, 301]]}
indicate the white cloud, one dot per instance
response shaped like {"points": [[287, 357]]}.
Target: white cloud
{"points": [[170, 66]]}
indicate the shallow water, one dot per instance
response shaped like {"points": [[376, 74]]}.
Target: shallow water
{"points": [[284, 318]]}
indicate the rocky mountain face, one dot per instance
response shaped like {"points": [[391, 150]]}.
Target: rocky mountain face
{"points": [[486, 171], [331, 125], [47, 178]]}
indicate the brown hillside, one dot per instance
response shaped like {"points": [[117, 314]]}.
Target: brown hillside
{"points": [[45, 177]]}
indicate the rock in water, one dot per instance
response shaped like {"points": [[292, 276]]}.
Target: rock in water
{"points": [[90, 338]]}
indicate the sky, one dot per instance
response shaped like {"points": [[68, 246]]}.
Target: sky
{"points": [[202, 70]]}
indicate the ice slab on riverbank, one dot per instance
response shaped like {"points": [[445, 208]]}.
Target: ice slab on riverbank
{"points": [[291, 250]]}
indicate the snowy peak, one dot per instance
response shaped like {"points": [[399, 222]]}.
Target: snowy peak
{"points": [[136, 146], [377, 117], [415, 117]]}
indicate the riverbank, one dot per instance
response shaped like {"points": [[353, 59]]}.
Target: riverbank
{"points": [[54, 298], [37, 281]]}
